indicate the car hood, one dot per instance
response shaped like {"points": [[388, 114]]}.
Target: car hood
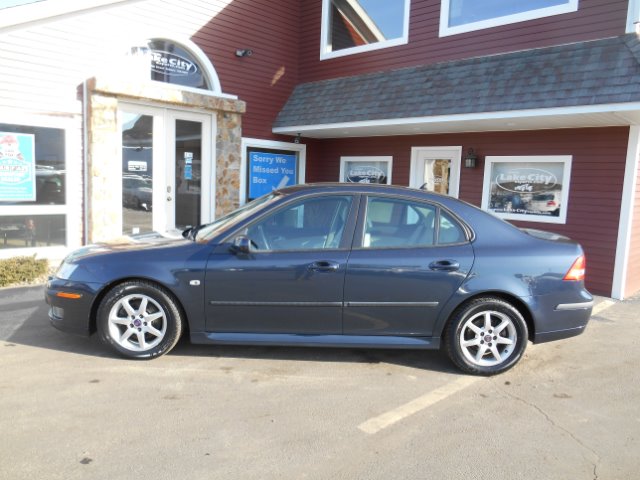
{"points": [[145, 241]]}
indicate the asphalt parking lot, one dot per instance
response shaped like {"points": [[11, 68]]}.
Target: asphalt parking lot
{"points": [[70, 409]]}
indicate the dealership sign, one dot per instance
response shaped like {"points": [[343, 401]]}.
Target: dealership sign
{"points": [[527, 180], [167, 63], [365, 174], [17, 167]]}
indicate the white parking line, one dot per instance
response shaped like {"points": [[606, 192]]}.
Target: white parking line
{"points": [[603, 305], [375, 424]]}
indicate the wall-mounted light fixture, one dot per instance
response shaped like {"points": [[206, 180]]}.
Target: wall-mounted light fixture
{"points": [[470, 159], [244, 52], [297, 139]]}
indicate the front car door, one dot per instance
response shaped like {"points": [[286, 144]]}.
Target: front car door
{"points": [[292, 279], [409, 257]]}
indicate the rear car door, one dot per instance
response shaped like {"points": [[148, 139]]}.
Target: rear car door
{"points": [[408, 259]]}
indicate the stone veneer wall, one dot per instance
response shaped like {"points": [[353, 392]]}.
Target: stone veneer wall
{"points": [[104, 205]]}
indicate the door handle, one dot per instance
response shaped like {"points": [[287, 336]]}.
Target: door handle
{"points": [[444, 265], [324, 266]]}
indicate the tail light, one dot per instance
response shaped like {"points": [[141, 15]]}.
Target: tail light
{"points": [[576, 272], [551, 203]]}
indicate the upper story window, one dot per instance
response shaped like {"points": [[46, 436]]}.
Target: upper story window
{"points": [[352, 26], [459, 16]]}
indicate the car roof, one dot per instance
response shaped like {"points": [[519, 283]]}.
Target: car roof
{"points": [[363, 188]]}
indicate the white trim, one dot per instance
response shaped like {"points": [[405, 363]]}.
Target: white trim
{"points": [[22, 15], [300, 148], [626, 214], [73, 195], [445, 29], [501, 115], [416, 172], [633, 16], [366, 159], [325, 32], [566, 186]]}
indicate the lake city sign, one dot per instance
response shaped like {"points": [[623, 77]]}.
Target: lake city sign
{"points": [[167, 63], [528, 180]]}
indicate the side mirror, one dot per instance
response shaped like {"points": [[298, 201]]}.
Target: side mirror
{"points": [[241, 244]]}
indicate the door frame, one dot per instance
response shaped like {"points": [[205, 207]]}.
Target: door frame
{"points": [[163, 159], [418, 154]]}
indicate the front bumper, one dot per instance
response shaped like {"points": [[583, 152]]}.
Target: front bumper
{"points": [[70, 305]]}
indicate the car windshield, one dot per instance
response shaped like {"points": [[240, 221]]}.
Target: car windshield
{"points": [[207, 231]]}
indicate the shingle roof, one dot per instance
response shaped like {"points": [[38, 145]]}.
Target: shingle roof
{"points": [[587, 73]]}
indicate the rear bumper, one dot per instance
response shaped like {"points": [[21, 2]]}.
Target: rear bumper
{"points": [[555, 320], [72, 315]]}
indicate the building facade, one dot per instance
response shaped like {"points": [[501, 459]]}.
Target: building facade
{"points": [[122, 117]]}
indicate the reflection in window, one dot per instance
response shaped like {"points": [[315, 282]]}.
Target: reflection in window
{"points": [[188, 149], [137, 173], [30, 231], [354, 23], [21, 149]]}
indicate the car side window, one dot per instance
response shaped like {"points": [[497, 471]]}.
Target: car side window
{"points": [[398, 223], [450, 231], [311, 224]]}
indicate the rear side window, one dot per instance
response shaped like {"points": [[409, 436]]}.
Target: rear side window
{"points": [[450, 231], [399, 223]]}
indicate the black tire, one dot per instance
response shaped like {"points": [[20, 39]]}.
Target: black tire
{"points": [[139, 319], [479, 350]]}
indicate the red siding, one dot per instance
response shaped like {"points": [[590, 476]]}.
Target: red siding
{"points": [[633, 264], [265, 79], [594, 19], [597, 177]]}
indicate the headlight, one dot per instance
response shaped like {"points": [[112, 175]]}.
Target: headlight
{"points": [[66, 270]]}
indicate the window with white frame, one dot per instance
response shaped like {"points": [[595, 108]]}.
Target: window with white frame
{"points": [[527, 188], [352, 26], [268, 165], [33, 186], [459, 16]]}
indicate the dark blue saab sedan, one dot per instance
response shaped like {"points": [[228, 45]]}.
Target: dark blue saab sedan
{"points": [[339, 265]]}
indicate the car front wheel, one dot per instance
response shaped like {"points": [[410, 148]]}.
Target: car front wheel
{"points": [[486, 336], [139, 319]]}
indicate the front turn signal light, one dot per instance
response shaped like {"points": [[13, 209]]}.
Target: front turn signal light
{"points": [[576, 272], [72, 296]]}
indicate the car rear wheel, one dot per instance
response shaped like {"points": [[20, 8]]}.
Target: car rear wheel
{"points": [[486, 336], [139, 319]]}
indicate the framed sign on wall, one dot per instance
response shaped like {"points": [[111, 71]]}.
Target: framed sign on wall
{"points": [[527, 188]]}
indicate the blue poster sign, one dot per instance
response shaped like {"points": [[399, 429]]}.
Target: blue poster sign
{"points": [[17, 167], [270, 171]]}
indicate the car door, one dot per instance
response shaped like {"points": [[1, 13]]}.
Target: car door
{"points": [[409, 257], [291, 278]]}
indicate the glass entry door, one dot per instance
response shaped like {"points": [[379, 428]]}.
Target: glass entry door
{"points": [[167, 175], [436, 169]]}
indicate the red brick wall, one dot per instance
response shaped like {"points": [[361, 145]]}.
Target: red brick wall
{"points": [[597, 176]]}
